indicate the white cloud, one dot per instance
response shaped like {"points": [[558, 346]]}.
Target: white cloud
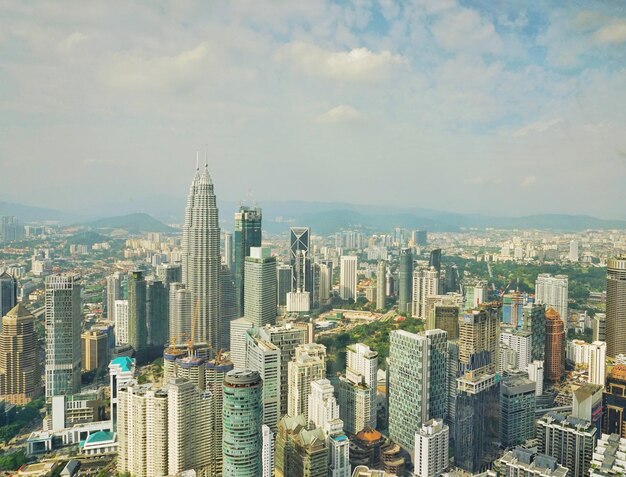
{"points": [[465, 30], [528, 181], [358, 64], [341, 113], [613, 33], [537, 127]]}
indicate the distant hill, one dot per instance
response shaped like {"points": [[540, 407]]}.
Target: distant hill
{"points": [[27, 214], [133, 223]]}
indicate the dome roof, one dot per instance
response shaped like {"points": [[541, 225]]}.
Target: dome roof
{"points": [[369, 435]]}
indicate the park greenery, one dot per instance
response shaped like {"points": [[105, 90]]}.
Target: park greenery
{"points": [[12, 460], [24, 415]]}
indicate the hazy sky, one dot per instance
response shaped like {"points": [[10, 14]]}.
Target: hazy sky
{"points": [[496, 107]]}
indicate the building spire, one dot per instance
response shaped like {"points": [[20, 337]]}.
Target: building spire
{"points": [[197, 161], [206, 156]]}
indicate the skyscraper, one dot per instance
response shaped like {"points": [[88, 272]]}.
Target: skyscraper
{"points": [[616, 306], [348, 277], [228, 250], [309, 365], [299, 245], [247, 234], [381, 274], [242, 418], [431, 449], [137, 319], [425, 285], [201, 257], [264, 357], [8, 293], [120, 310], [260, 287], [20, 376], [63, 326], [517, 410], [114, 293], [614, 402], [552, 291], [405, 281], [157, 309], [180, 310], [229, 306], [435, 259], [326, 283], [555, 346], [597, 363], [283, 276], [534, 320], [216, 371]]}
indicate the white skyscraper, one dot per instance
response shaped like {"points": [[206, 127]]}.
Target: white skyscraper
{"points": [[535, 373], [431, 449], [180, 310], [425, 284], [264, 357], [597, 363], [325, 283], [348, 277], [120, 312], [201, 260], [573, 251], [114, 293], [553, 292], [268, 451], [238, 332], [63, 327], [308, 365], [521, 343], [381, 273]]}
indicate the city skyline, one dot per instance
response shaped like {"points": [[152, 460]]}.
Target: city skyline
{"points": [[303, 87]]}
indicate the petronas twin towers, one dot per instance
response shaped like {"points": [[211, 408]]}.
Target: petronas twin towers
{"points": [[201, 260]]}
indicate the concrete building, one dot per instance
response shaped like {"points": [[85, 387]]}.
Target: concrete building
{"points": [[300, 452], [425, 285], [597, 363], [521, 343], [298, 302], [609, 457], [478, 340], [552, 291], [260, 288], [114, 293], [300, 255], [95, 349], [267, 456], [137, 317], [521, 462], [121, 373], [517, 410], [357, 390], [443, 312], [534, 320], [348, 277], [63, 322], [242, 418], [264, 357], [8, 293], [120, 311], [216, 371], [180, 311], [157, 310], [283, 277], [326, 283], [555, 346], [20, 374], [599, 327], [201, 261], [431, 449], [569, 440], [615, 309], [405, 281], [308, 365], [535, 373], [238, 332], [587, 404]]}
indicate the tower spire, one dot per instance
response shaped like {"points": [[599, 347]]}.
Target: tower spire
{"points": [[206, 156], [197, 161]]}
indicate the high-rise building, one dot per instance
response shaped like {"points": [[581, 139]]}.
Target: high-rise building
{"points": [[405, 281], [8, 293], [573, 251], [229, 307], [451, 284], [425, 285], [569, 440], [442, 312], [260, 287], [326, 283], [597, 363], [599, 327], [616, 306], [478, 340], [238, 347], [63, 327], [120, 311], [10, 229], [299, 249], [357, 390], [308, 365], [555, 346], [247, 234], [476, 421], [201, 257], [552, 291], [419, 237], [431, 449], [95, 346], [535, 373], [607, 456], [521, 343], [267, 457], [517, 410], [283, 274], [114, 293], [300, 452], [180, 310], [242, 418], [417, 368], [228, 250], [348, 277], [264, 357], [216, 371], [381, 273], [137, 319], [587, 404], [20, 376], [534, 320], [169, 273], [614, 402], [157, 311], [121, 373], [527, 462], [435, 259]]}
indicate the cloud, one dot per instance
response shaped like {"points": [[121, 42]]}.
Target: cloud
{"points": [[358, 64], [340, 114], [482, 180], [537, 127], [465, 30], [613, 33], [528, 181]]}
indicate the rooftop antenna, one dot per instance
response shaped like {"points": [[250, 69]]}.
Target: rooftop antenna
{"points": [[206, 156], [197, 161]]}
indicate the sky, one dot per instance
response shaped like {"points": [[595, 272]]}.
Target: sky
{"points": [[507, 108]]}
